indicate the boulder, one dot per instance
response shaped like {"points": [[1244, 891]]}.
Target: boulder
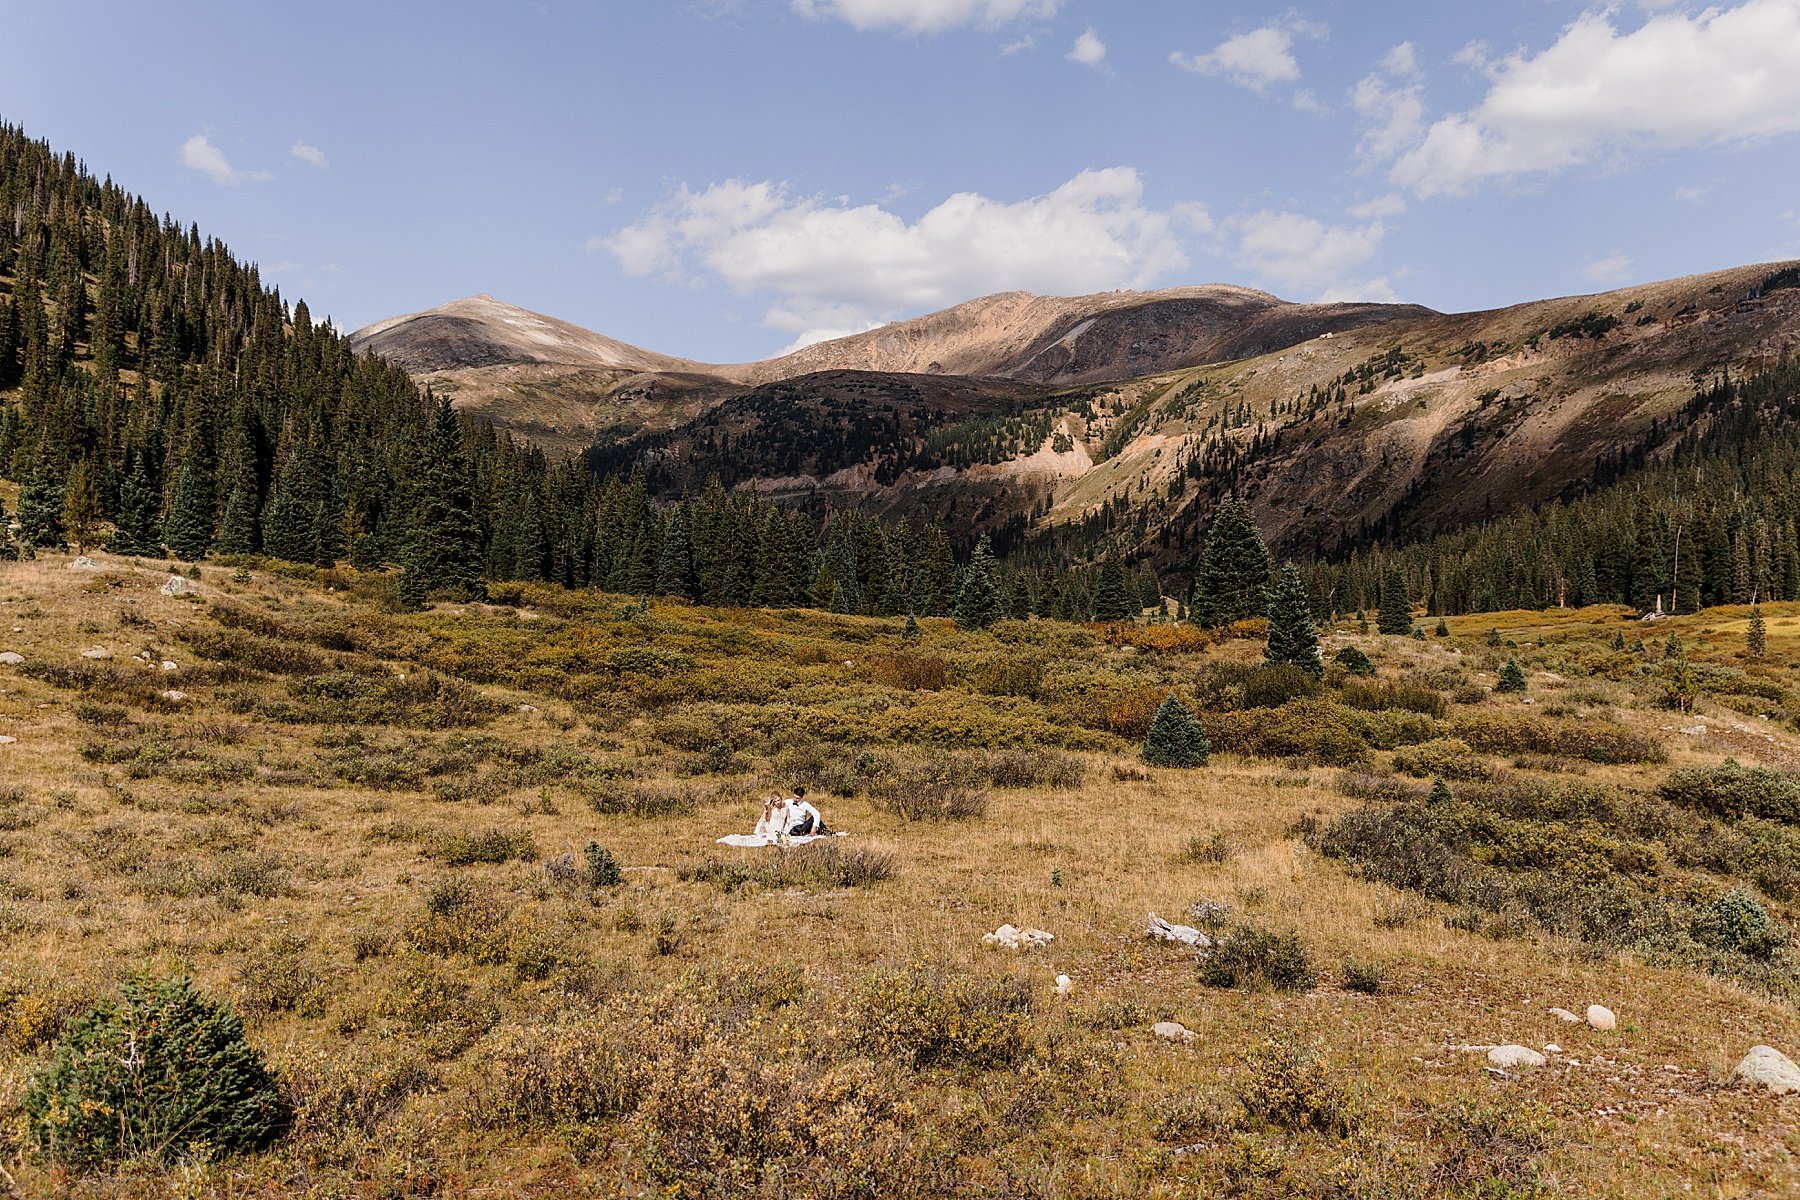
{"points": [[1511, 1058], [1064, 985], [1769, 1068], [11, 658], [1175, 1031], [1563, 1014], [96, 653], [177, 586], [174, 695], [1013, 938], [1601, 1017], [1164, 931], [7, 741], [84, 563], [167, 665]]}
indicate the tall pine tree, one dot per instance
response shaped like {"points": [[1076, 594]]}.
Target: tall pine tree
{"points": [[1292, 637], [1233, 580]]}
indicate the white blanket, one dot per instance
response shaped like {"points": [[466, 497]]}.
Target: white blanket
{"points": [[756, 841]]}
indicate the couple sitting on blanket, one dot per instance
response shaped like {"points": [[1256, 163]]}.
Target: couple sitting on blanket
{"points": [[791, 816]]}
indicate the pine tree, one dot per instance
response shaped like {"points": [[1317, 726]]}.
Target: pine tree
{"points": [[443, 542], [81, 507], [40, 510], [978, 601], [1758, 637], [1395, 613], [188, 527], [138, 527], [1176, 739], [1234, 568], [911, 629], [1111, 601], [1512, 677], [1292, 637], [1443, 628], [675, 575]]}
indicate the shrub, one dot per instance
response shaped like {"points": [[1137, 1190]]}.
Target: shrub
{"points": [[934, 792], [490, 846], [1593, 741], [1737, 922], [603, 869], [1442, 758], [1384, 697], [1734, 791], [1208, 849], [821, 864], [1512, 677], [1288, 1086], [1364, 977], [1253, 957], [1274, 684], [1176, 739], [1354, 661], [1034, 768], [278, 978], [159, 1070], [933, 1017]]}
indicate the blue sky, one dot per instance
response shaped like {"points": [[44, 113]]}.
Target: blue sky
{"points": [[720, 179]]}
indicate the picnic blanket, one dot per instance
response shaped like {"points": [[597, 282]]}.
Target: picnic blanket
{"points": [[756, 841]]}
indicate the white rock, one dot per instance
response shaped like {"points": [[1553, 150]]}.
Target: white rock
{"points": [[175, 694], [96, 652], [167, 665], [1512, 1057], [1601, 1017], [1694, 730], [177, 586], [1064, 985], [1165, 931], [528, 708], [1035, 937], [1175, 1031], [1769, 1068], [11, 658], [1563, 1014], [84, 563], [1014, 938], [1552, 1048], [7, 741]]}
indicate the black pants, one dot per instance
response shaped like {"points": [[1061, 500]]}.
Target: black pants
{"points": [[804, 827]]}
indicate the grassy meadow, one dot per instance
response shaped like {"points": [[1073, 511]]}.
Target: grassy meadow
{"points": [[370, 831]]}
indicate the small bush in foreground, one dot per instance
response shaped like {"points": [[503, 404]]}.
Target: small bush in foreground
{"points": [[1738, 922], [1354, 661], [159, 1070], [1442, 758], [603, 869], [1734, 791], [1289, 1087], [935, 1017], [490, 846], [1253, 957], [930, 793]]}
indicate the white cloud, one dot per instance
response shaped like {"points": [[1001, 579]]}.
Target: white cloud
{"points": [[1610, 271], [1402, 60], [1089, 50], [1720, 75], [1299, 254], [1692, 195], [1393, 117], [308, 153], [928, 16], [831, 266], [1390, 205], [1256, 59], [200, 154]]}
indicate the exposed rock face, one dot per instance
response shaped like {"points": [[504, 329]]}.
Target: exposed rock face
{"points": [[480, 331], [1769, 1068]]}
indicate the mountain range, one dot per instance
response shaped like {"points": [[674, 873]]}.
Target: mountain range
{"points": [[1128, 413]]}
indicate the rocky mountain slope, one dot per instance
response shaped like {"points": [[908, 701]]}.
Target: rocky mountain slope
{"points": [[1123, 417]]}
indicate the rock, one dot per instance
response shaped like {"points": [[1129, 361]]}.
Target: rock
{"points": [[174, 694], [1552, 1048], [11, 658], [1694, 730], [1187, 935], [1563, 1014], [1769, 1068], [177, 586], [84, 563], [1512, 1057], [1601, 1017], [96, 652], [1013, 938], [7, 741], [1175, 1031], [1064, 985], [528, 708], [167, 665]]}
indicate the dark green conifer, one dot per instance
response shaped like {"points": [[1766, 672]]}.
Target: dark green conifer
{"points": [[187, 529], [1757, 640], [1292, 636], [1512, 677], [1111, 600], [1395, 613], [1234, 568], [1176, 739], [978, 601]]}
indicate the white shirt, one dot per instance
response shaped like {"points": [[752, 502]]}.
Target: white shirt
{"points": [[799, 810]]}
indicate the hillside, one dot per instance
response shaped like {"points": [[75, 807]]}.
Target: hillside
{"points": [[367, 830]]}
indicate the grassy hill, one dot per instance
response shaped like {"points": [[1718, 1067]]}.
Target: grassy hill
{"points": [[368, 830]]}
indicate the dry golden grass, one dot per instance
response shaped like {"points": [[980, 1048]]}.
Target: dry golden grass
{"points": [[102, 873]]}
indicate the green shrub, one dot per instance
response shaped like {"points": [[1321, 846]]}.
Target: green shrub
{"points": [[1354, 661], [1442, 758], [1176, 739], [162, 1070], [1274, 684], [603, 869], [1383, 697], [1734, 791], [1208, 850], [1253, 957], [933, 1016], [1593, 741], [489, 846], [1288, 1086], [1512, 677], [1737, 922], [1364, 977]]}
